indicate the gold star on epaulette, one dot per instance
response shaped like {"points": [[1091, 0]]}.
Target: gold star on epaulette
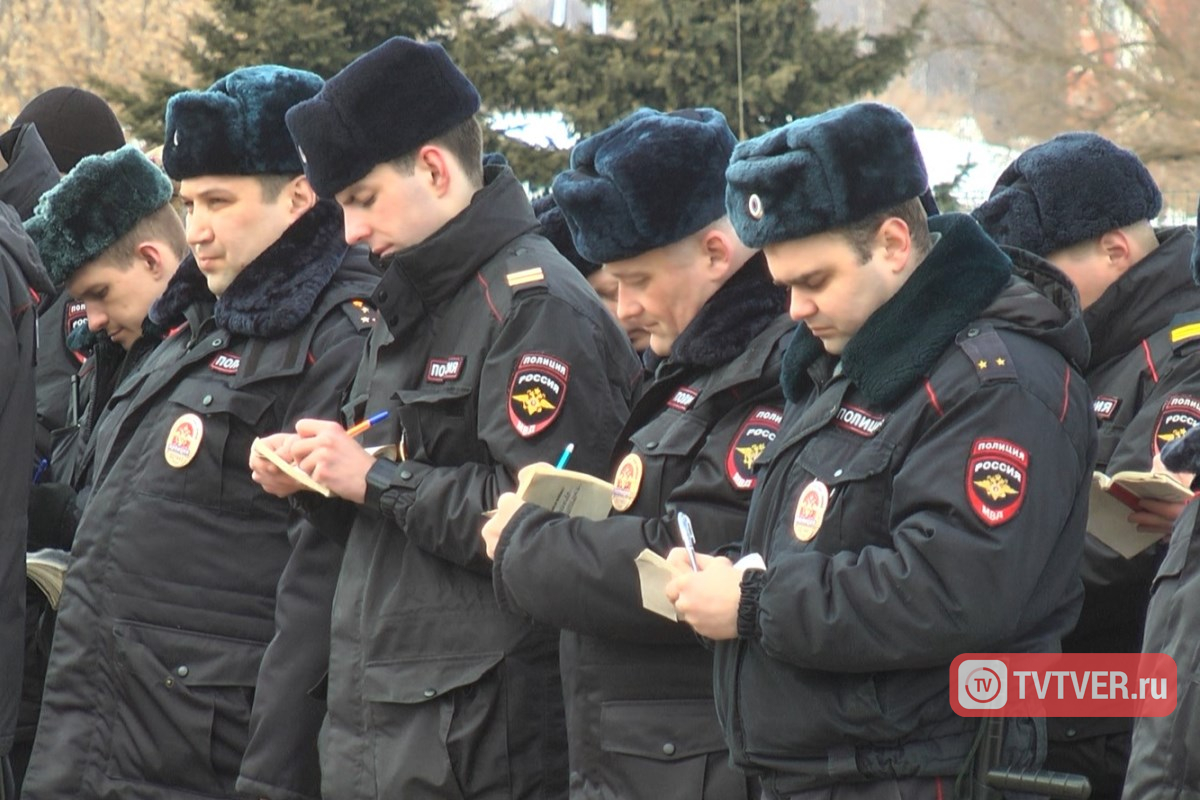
{"points": [[981, 364], [1000, 362]]}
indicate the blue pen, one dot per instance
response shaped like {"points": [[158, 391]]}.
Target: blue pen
{"points": [[689, 538], [355, 430], [566, 455]]}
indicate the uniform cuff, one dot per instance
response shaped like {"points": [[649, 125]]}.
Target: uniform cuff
{"points": [[388, 483], [747, 615]]}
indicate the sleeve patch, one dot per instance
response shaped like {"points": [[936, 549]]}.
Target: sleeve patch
{"points": [[1180, 413], [758, 431], [537, 392], [996, 477]]}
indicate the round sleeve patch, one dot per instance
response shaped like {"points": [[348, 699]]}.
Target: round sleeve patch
{"points": [[996, 475], [758, 431], [1179, 415], [537, 392]]}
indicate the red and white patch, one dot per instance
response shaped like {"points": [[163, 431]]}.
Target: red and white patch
{"points": [[226, 363], [627, 482], [1179, 415], [758, 431], [683, 398], [75, 316], [1105, 407], [856, 420], [537, 392], [441, 370], [996, 476]]}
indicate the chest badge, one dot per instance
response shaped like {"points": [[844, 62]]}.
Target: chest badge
{"points": [[627, 482], [810, 510], [183, 442]]}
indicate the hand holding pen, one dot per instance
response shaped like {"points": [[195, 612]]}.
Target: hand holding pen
{"points": [[688, 535]]}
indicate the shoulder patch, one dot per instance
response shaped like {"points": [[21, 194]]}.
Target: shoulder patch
{"points": [[1180, 413], [526, 278], [361, 313], [758, 431], [996, 475], [683, 398], [74, 315], [537, 392], [1185, 328], [988, 354]]}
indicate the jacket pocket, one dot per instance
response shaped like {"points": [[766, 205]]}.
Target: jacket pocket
{"points": [[668, 446], [414, 708], [182, 706], [665, 748], [859, 479], [214, 471], [439, 425]]}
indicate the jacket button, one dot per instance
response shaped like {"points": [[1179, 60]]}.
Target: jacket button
{"points": [[169, 682], [207, 400], [972, 332], [393, 320], [405, 475], [651, 445], [217, 342], [430, 692], [182, 671], [1071, 732], [383, 296], [668, 749], [837, 473]]}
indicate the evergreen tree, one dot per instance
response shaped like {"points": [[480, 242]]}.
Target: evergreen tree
{"points": [[681, 53], [318, 35]]}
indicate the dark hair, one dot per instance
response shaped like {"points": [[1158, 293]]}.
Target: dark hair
{"points": [[861, 234], [464, 141], [273, 185], [162, 225]]}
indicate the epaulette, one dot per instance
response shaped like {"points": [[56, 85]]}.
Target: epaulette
{"points": [[988, 353], [524, 279], [1185, 328], [361, 313]]}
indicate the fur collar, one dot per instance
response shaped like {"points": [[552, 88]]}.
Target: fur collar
{"points": [[276, 291], [900, 343], [740, 310]]}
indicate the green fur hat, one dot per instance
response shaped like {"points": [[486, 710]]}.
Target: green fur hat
{"points": [[97, 203]]}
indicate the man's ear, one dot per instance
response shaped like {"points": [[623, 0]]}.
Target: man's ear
{"points": [[300, 196], [1118, 249], [433, 162], [155, 256], [719, 252], [895, 239]]}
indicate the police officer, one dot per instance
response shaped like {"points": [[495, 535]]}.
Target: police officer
{"points": [[1164, 760], [1085, 205], [106, 233], [913, 502], [640, 716], [161, 679], [495, 354], [21, 275]]}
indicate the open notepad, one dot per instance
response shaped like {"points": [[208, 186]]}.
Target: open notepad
{"points": [[1114, 498], [575, 494], [302, 477]]}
